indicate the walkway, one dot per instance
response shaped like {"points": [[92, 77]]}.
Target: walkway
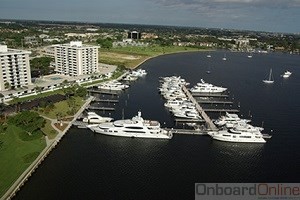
{"points": [[210, 124]]}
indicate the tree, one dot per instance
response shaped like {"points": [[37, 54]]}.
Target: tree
{"points": [[29, 121], [81, 91], [105, 43]]}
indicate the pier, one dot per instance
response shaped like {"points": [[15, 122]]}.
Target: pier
{"points": [[210, 124], [210, 95], [186, 131], [103, 92], [106, 100], [100, 108], [221, 110], [183, 120], [215, 102]]}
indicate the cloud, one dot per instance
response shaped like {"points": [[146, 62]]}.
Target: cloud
{"points": [[223, 4]]}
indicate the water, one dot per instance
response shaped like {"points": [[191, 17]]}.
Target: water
{"points": [[93, 166]]}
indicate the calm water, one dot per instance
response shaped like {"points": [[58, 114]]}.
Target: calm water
{"points": [[92, 166]]}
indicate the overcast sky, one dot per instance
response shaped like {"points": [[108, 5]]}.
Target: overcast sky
{"points": [[259, 15]]}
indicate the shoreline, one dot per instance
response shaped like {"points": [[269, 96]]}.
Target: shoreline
{"points": [[16, 186]]}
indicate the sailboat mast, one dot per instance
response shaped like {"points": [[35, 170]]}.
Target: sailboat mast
{"points": [[270, 75]]}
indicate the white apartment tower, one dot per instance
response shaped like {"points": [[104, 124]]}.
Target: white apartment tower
{"points": [[15, 68], [76, 59]]}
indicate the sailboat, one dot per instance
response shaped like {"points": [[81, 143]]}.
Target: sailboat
{"points": [[270, 78]]}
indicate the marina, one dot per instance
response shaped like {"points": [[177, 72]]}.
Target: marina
{"points": [[165, 162]]}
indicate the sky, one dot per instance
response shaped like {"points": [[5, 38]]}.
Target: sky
{"points": [[258, 15]]}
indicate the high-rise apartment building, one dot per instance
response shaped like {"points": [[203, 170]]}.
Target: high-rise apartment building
{"points": [[76, 59], [15, 68]]}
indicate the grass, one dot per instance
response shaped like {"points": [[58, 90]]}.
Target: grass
{"points": [[16, 155], [49, 131], [133, 56], [63, 108]]}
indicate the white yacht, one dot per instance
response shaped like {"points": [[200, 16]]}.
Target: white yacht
{"points": [[139, 73], [135, 127], [93, 118], [230, 120], [113, 85], [204, 87], [287, 74], [244, 127], [241, 136]]}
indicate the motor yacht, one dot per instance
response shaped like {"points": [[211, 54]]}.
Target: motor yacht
{"points": [[230, 120], [241, 136], [204, 87], [135, 127], [93, 118], [287, 74]]}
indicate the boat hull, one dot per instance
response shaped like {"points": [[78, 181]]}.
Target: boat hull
{"points": [[238, 140], [132, 135]]}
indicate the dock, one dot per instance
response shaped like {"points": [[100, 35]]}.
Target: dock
{"points": [[221, 110], [106, 100], [103, 92], [209, 122], [186, 131], [100, 108], [215, 102], [210, 95], [184, 120]]}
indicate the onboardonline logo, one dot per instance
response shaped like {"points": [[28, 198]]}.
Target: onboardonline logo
{"points": [[232, 191]]}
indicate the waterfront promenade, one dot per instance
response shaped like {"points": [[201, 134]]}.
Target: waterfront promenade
{"points": [[51, 144]]}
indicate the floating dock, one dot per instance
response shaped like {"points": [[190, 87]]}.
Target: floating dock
{"points": [[184, 120], [215, 102], [186, 131], [100, 108], [106, 100], [210, 95], [103, 92], [221, 110]]}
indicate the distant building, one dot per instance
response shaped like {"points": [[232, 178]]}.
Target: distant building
{"points": [[32, 40], [15, 68], [75, 59], [134, 35]]}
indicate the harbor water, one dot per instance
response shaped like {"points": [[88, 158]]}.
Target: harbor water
{"points": [[93, 166]]}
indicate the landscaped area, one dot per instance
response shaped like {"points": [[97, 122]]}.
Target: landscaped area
{"points": [[132, 56], [17, 152]]}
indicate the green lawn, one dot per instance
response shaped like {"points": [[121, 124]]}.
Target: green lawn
{"points": [[63, 107], [132, 56], [49, 131], [16, 155]]}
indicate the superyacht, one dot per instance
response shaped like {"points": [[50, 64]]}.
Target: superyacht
{"points": [[135, 127]]}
